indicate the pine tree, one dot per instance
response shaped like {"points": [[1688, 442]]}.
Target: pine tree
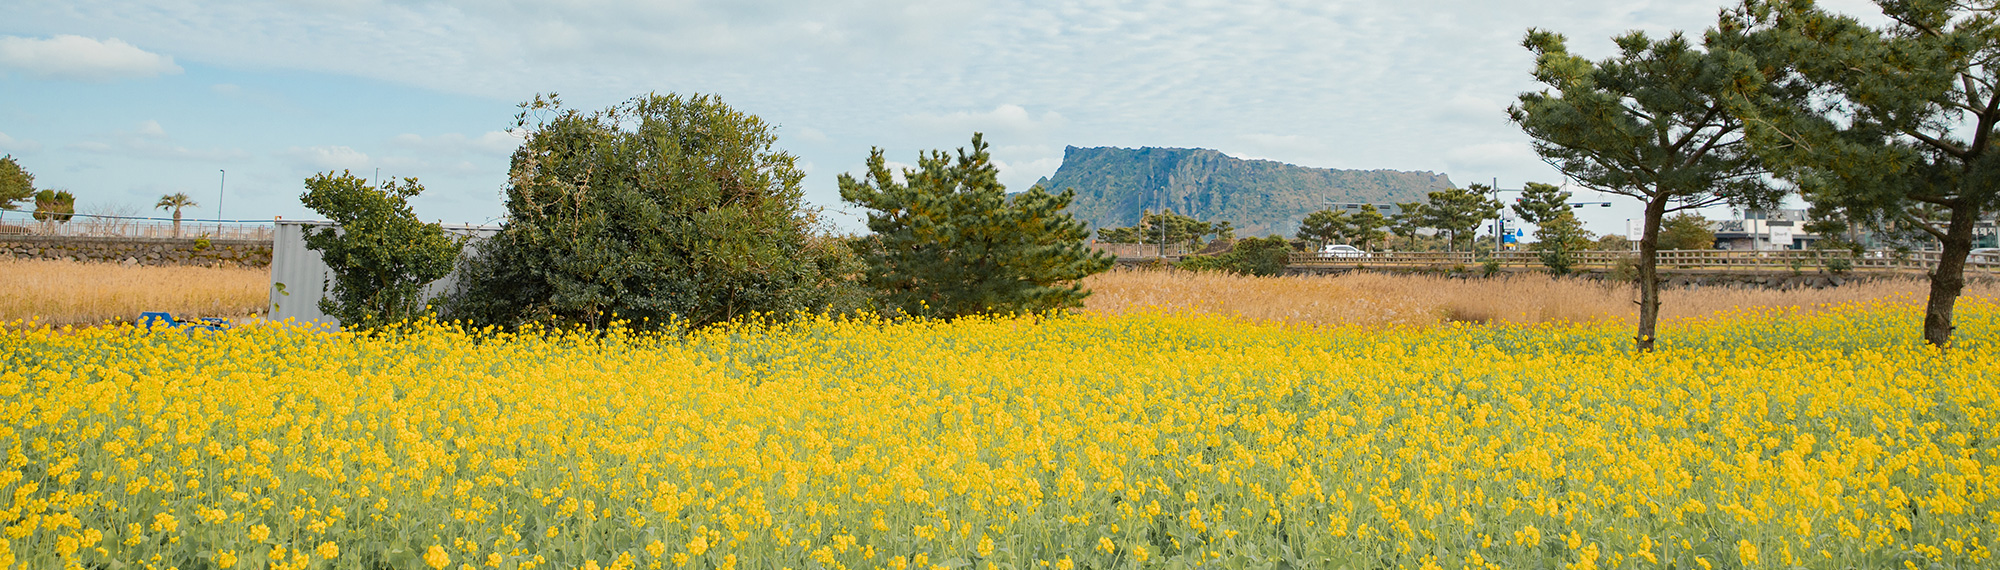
{"points": [[1651, 123], [1900, 131], [1326, 226], [948, 242], [1540, 203], [1458, 211]]}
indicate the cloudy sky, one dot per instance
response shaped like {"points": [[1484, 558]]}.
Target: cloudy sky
{"points": [[123, 101]]}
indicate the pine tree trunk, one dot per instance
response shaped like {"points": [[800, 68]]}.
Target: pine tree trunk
{"points": [[1649, 273], [1948, 278]]}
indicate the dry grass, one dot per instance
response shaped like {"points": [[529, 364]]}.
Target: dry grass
{"points": [[1384, 299], [61, 292]]}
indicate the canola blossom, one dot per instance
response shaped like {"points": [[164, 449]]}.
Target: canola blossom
{"points": [[1748, 440]]}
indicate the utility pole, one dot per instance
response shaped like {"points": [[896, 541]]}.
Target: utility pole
{"points": [[220, 187], [1499, 220]]}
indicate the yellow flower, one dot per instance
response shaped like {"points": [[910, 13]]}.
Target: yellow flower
{"points": [[329, 550], [163, 522], [225, 559], [436, 557], [1747, 551]]}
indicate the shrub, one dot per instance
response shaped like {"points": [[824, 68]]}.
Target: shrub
{"points": [[664, 209], [381, 256], [1263, 257], [949, 241]]}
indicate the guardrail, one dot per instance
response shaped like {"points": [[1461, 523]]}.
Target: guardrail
{"points": [[1669, 259]]}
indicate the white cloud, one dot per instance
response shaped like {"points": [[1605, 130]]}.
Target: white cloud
{"points": [[81, 58], [11, 144], [812, 135], [150, 140], [1473, 109], [1486, 157], [326, 158], [490, 143], [1005, 119]]}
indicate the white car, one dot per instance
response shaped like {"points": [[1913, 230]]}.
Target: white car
{"points": [[1342, 251]]}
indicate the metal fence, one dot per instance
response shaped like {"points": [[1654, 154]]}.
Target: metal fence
{"points": [[1721, 260], [16, 222], [1141, 249]]}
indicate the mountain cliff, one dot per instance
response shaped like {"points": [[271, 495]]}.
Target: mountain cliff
{"points": [[1260, 197]]}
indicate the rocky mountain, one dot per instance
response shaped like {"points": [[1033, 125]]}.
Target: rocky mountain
{"points": [[1260, 197]]}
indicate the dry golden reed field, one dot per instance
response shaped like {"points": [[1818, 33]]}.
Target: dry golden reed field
{"points": [[1182, 422], [61, 292], [1386, 299]]}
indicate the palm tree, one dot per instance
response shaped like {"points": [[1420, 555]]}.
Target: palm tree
{"points": [[176, 201]]}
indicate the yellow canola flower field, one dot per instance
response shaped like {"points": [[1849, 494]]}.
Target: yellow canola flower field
{"points": [[1757, 440]]}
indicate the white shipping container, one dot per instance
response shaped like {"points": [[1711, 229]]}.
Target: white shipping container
{"points": [[299, 279]]}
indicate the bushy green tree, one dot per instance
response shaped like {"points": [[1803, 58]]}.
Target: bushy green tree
{"points": [[380, 254], [1686, 230], [948, 242], [665, 210], [54, 206], [1262, 257], [1558, 237], [1326, 226], [1367, 223], [1166, 227], [1457, 212], [1540, 202], [16, 184], [1652, 123], [1900, 131]]}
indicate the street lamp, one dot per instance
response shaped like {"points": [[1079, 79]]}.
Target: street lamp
{"points": [[219, 188]]}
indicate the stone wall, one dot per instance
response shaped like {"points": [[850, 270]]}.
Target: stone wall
{"points": [[140, 251]]}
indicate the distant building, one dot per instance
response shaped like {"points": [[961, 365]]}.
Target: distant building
{"points": [[1758, 230]]}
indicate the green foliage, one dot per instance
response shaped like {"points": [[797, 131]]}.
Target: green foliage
{"points": [[1558, 238], [1361, 228], [661, 211], [54, 206], [1115, 186], [175, 202], [16, 184], [1325, 226], [1541, 202], [1900, 129], [1456, 212], [1611, 242], [1651, 123], [1167, 226], [1367, 225], [1686, 230], [1262, 257], [948, 242], [380, 254]]}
